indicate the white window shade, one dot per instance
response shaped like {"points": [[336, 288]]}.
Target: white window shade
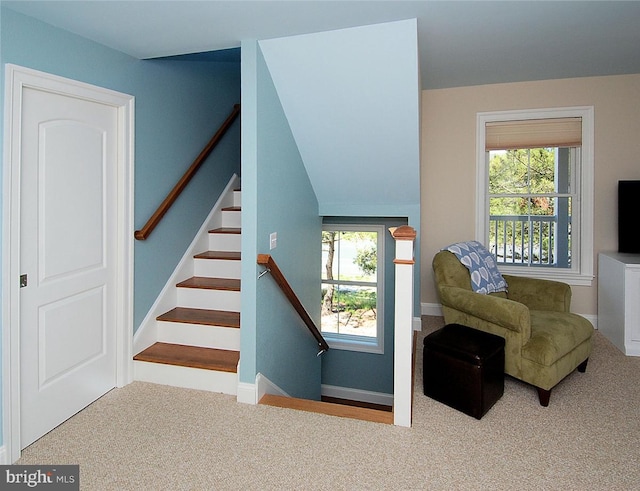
{"points": [[533, 133]]}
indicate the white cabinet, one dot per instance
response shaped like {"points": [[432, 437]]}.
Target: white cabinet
{"points": [[619, 300]]}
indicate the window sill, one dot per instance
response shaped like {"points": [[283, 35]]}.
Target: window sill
{"points": [[568, 277], [353, 344]]}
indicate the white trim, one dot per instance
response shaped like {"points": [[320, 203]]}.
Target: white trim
{"points": [[187, 377], [247, 393], [266, 386], [403, 333], [432, 309], [417, 324], [16, 79], [147, 333], [357, 395], [591, 318], [3, 455], [581, 274]]}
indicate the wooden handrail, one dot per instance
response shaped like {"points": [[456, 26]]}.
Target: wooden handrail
{"points": [[144, 232], [267, 261]]}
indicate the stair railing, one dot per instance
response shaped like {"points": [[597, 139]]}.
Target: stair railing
{"points": [[271, 267], [151, 224]]}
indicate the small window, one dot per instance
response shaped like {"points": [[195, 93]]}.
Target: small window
{"points": [[535, 192], [352, 296]]}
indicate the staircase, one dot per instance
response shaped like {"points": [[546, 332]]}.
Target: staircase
{"points": [[198, 341]]}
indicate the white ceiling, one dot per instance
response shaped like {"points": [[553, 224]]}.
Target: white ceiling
{"points": [[461, 42]]}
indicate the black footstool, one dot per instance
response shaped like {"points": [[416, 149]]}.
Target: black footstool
{"points": [[464, 368]]}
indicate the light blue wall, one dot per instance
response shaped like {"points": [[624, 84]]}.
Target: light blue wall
{"points": [[178, 107], [352, 99], [288, 206], [285, 204], [247, 370]]}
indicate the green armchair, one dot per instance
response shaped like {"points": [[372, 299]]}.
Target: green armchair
{"points": [[544, 342]]}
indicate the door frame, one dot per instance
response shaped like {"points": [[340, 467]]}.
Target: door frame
{"points": [[18, 78]]}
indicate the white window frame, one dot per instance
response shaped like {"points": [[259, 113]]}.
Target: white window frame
{"points": [[581, 272], [350, 342]]}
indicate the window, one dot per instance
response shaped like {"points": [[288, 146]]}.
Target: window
{"points": [[535, 192], [352, 293]]}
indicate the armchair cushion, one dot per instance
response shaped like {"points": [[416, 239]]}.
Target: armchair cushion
{"points": [[554, 335], [557, 295]]}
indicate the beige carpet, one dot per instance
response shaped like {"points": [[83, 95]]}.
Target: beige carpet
{"points": [[153, 437]]}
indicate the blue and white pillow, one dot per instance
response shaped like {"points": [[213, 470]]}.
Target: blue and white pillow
{"points": [[485, 276]]}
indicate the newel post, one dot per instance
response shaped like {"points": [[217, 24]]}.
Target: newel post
{"points": [[403, 353]]}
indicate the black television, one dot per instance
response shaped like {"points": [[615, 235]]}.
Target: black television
{"points": [[628, 219]]}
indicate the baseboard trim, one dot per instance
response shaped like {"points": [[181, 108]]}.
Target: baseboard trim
{"points": [[433, 309], [266, 386], [357, 395], [247, 393], [591, 318]]}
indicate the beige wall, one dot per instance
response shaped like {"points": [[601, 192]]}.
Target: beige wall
{"points": [[449, 158]]}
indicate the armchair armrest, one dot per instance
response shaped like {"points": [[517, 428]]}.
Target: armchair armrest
{"points": [[501, 311], [539, 294]]}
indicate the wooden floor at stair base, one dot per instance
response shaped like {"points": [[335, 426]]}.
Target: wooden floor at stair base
{"points": [[340, 410]]}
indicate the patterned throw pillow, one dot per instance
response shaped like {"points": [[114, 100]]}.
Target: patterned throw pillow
{"points": [[485, 276]]}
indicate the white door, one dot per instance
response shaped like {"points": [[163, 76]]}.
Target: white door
{"points": [[68, 223]]}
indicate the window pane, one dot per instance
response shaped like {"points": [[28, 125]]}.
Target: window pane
{"points": [[540, 237], [507, 206], [349, 256], [329, 242], [508, 172], [349, 310], [542, 162], [357, 256]]}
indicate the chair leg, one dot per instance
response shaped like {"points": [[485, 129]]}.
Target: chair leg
{"points": [[583, 366], [544, 396]]}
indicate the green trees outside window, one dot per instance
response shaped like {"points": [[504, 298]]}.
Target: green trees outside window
{"points": [[530, 206], [350, 283]]}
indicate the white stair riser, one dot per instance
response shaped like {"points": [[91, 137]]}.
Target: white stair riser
{"points": [[237, 198], [201, 298], [225, 242], [190, 378], [231, 218], [199, 335], [217, 268]]}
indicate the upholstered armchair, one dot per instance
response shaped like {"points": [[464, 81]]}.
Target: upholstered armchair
{"points": [[544, 342]]}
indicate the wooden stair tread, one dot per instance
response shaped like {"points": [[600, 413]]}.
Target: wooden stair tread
{"points": [[226, 230], [202, 316], [340, 410], [232, 208], [232, 256], [191, 356], [204, 282]]}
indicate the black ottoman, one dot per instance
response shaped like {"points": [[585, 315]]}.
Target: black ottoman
{"points": [[464, 368]]}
